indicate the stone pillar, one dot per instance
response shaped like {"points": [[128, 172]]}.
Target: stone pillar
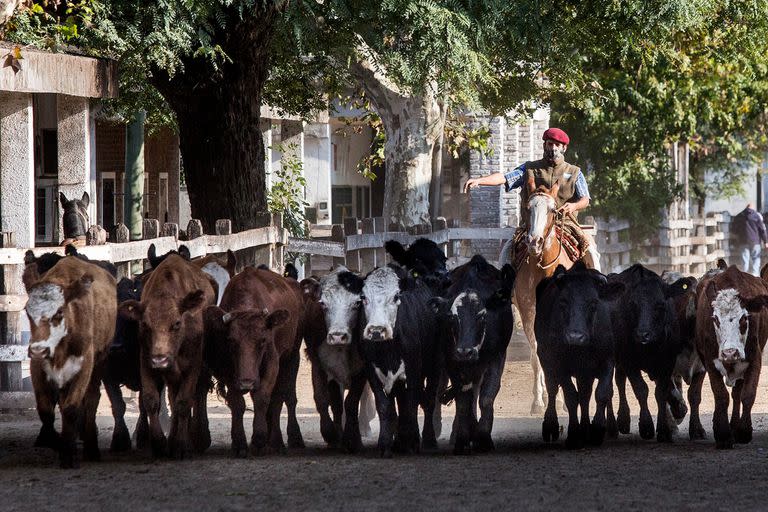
{"points": [[74, 140], [17, 167], [318, 163], [510, 201], [485, 202], [265, 125]]}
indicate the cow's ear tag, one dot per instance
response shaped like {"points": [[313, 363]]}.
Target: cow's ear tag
{"points": [[685, 287], [415, 274]]}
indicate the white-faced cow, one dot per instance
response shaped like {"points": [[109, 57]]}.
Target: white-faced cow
{"points": [[253, 346], [170, 319], [731, 331], [71, 311], [575, 340], [332, 335], [643, 321], [399, 346], [477, 319]]}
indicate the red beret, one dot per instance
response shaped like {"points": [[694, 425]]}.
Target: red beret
{"points": [[557, 135]]}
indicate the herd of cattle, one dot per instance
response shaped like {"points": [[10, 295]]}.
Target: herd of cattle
{"points": [[418, 335]]}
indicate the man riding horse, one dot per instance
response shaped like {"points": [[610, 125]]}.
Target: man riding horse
{"points": [[572, 195]]}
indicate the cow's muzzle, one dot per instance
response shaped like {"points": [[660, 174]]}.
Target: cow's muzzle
{"points": [[247, 385], [161, 362], [338, 338], [377, 333], [467, 355], [730, 355], [38, 352], [644, 337], [576, 338]]}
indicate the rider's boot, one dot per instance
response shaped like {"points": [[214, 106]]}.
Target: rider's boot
{"points": [[592, 258]]}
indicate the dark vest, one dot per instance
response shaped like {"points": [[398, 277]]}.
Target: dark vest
{"points": [[544, 174]]}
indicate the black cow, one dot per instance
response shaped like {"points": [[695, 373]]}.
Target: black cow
{"points": [[400, 348], [423, 258], [643, 322], [477, 318], [575, 339]]}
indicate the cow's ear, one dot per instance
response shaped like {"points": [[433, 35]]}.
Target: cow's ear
{"points": [[86, 199], [63, 200], [611, 291], [194, 300], [500, 298], [711, 291], [184, 252], [351, 282], [310, 289], [231, 263], [130, 310], [679, 287], [79, 288], [31, 273], [722, 264], [437, 303], [756, 304], [397, 251], [508, 276], [152, 255], [276, 318]]}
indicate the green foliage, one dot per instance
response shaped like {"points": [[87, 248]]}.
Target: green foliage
{"points": [[287, 193], [51, 25]]}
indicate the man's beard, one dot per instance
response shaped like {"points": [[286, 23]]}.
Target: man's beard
{"points": [[553, 155]]}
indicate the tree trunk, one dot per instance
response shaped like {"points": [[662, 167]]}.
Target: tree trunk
{"points": [[134, 175], [218, 116], [412, 124]]}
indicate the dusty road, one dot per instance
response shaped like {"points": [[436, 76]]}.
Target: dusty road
{"points": [[523, 473]]}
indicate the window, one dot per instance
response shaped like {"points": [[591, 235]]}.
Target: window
{"points": [[46, 211], [162, 196], [108, 212], [341, 199]]}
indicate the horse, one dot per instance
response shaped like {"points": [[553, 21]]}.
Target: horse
{"points": [[75, 219], [545, 253]]}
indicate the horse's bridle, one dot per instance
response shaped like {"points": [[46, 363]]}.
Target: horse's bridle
{"points": [[559, 218]]}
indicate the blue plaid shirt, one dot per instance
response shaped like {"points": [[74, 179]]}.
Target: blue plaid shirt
{"points": [[516, 178]]}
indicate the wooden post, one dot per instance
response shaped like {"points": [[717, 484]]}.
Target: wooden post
{"points": [[123, 235], [337, 235], [171, 229], [223, 227], [367, 256], [10, 373], [441, 224], [353, 257], [150, 229], [379, 226], [194, 229]]}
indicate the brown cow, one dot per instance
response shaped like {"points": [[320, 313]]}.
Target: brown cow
{"points": [[252, 345], [71, 311], [171, 337], [731, 330]]}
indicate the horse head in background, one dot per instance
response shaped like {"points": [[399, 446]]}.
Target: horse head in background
{"points": [[75, 218]]}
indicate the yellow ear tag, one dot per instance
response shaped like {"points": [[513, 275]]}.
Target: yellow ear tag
{"points": [[415, 274], [685, 287]]}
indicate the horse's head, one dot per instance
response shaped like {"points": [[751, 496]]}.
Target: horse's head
{"points": [[541, 215], [75, 217]]}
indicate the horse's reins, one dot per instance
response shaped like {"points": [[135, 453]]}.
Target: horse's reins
{"points": [[559, 216]]}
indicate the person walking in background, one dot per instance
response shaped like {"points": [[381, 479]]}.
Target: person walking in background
{"points": [[750, 234]]}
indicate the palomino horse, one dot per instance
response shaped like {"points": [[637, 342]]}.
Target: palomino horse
{"points": [[545, 253]]}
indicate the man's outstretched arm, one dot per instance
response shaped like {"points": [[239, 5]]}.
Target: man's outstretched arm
{"points": [[496, 178]]}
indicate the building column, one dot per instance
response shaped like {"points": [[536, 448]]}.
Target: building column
{"points": [[265, 125], [17, 167], [485, 202], [318, 168], [292, 141], [76, 174]]}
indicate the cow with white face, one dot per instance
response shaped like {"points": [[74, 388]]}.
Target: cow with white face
{"points": [[731, 331], [71, 311], [399, 346], [332, 333]]}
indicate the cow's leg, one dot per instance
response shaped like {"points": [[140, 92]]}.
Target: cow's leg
{"points": [[385, 407], [743, 431], [181, 415], [695, 428], [645, 423], [662, 392], [623, 421], [236, 403], [72, 412], [150, 399], [550, 427], [321, 394], [603, 397], [295, 439], [90, 433], [574, 439], [45, 397], [351, 437], [463, 426], [201, 432], [121, 437], [677, 405], [736, 398], [585, 395], [437, 417], [430, 405], [142, 427], [720, 426], [261, 402], [407, 439], [336, 396], [489, 389]]}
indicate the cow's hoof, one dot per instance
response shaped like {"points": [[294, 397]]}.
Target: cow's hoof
{"points": [[159, 447], [664, 435], [330, 433], [92, 454], [406, 443], [352, 442], [121, 440], [743, 435], [574, 441], [428, 444], [385, 453], [596, 435], [623, 421], [295, 440], [68, 458], [550, 431], [679, 409], [724, 444], [696, 433], [178, 451], [202, 441], [240, 449], [483, 443], [647, 430], [48, 438], [462, 447]]}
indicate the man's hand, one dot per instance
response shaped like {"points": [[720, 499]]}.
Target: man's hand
{"points": [[470, 184], [765, 245], [568, 208]]}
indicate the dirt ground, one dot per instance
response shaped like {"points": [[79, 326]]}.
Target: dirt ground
{"points": [[523, 472]]}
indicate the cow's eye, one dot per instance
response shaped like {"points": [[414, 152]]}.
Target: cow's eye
{"points": [[323, 305], [176, 325], [397, 299], [58, 316], [364, 300]]}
